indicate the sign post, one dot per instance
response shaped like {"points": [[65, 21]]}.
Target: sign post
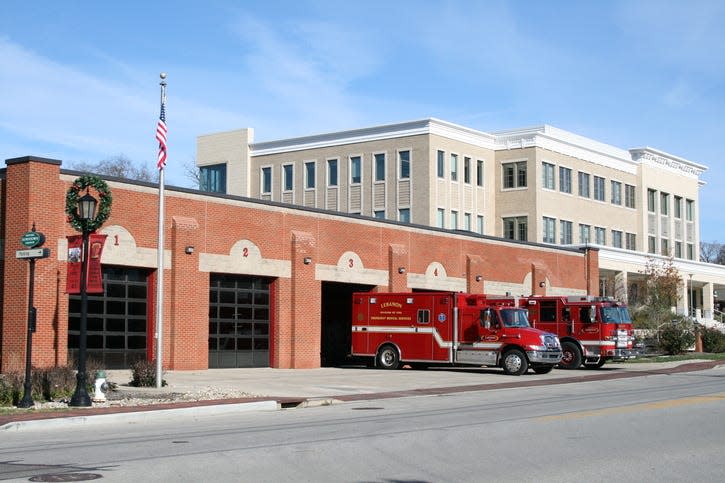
{"points": [[31, 240]]}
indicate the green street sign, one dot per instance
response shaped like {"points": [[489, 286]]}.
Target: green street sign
{"points": [[32, 239]]}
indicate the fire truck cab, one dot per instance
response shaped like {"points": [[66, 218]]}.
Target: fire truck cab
{"points": [[592, 330], [424, 328]]}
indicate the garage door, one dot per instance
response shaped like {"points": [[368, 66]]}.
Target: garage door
{"points": [[239, 318]]}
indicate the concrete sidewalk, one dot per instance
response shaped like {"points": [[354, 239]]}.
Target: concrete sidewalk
{"points": [[269, 389]]}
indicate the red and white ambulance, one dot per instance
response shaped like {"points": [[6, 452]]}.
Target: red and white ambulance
{"points": [[426, 328]]}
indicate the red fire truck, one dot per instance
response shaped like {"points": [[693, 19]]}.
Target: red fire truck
{"points": [[592, 330], [425, 328]]}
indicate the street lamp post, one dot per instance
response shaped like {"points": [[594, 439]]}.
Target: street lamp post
{"points": [[86, 213]]}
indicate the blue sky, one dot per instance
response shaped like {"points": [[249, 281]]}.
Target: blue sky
{"points": [[79, 80]]}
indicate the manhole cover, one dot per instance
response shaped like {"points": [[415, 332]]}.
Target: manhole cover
{"points": [[67, 477]]}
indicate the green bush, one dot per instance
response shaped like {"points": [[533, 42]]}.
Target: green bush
{"points": [[712, 340], [143, 374], [677, 337]]}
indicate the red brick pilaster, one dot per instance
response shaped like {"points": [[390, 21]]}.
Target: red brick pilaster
{"points": [[398, 258], [474, 274], [305, 308]]}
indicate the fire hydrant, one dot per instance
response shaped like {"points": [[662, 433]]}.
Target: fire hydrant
{"points": [[101, 387]]}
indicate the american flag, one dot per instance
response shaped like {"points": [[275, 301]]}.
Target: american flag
{"points": [[161, 137]]}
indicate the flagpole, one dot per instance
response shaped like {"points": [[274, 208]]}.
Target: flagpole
{"points": [[160, 251]]}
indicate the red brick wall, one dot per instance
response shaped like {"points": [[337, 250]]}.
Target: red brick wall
{"points": [[36, 189]]}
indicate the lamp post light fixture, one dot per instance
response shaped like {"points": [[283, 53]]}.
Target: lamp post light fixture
{"points": [[86, 213]]}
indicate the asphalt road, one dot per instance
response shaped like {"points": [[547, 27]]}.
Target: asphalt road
{"points": [[650, 428]]}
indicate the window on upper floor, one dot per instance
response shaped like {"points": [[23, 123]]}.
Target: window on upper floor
{"points": [[651, 199], [678, 249], [454, 167], [689, 210], [629, 196], [479, 173], [565, 232], [651, 244], [564, 179], [404, 215], [584, 185], [514, 175], [600, 235], [479, 224], [213, 179], [454, 220], [515, 228], [677, 207], [664, 203], [380, 167], [310, 174], [467, 170], [547, 175], [631, 241], [266, 180], [379, 214], [585, 233], [599, 194], [549, 230], [404, 162], [355, 169], [665, 247], [332, 172], [467, 221], [441, 218], [441, 164], [690, 251], [616, 188], [288, 181], [617, 239]]}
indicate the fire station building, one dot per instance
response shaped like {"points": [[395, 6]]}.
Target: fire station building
{"points": [[247, 282]]}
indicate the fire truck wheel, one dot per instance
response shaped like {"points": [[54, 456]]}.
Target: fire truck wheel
{"points": [[543, 369], [571, 356], [514, 362], [388, 357], [595, 365]]}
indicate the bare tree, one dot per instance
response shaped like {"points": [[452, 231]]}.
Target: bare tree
{"points": [[661, 288], [118, 166], [710, 252], [192, 173]]}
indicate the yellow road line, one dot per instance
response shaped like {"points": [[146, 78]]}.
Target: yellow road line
{"points": [[669, 403]]}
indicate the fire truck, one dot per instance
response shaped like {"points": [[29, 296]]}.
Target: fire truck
{"points": [[592, 330], [426, 328]]}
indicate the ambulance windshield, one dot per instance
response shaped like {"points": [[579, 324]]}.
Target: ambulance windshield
{"points": [[514, 318]]}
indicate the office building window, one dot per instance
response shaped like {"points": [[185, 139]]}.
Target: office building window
{"points": [[665, 247], [332, 172], [441, 218], [288, 182], [404, 215], [629, 196], [213, 179], [690, 251], [266, 180], [651, 244], [467, 170], [380, 167], [547, 175], [651, 196], [665, 203], [600, 235], [379, 214], [678, 249], [404, 161], [616, 193], [564, 180], [310, 175], [355, 169], [599, 194], [549, 230], [515, 228], [689, 210], [565, 232], [677, 207], [584, 187], [441, 163], [479, 224], [454, 167], [467, 221], [585, 233], [514, 175], [631, 241], [616, 239], [454, 220], [479, 173]]}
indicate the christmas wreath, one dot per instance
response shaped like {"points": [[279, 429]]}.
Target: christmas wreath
{"points": [[104, 203]]}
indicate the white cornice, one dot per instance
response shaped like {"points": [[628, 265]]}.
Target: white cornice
{"points": [[660, 159]]}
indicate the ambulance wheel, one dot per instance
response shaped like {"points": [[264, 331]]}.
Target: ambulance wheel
{"points": [[571, 356], [388, 357], [543, 369], [514, 362]]}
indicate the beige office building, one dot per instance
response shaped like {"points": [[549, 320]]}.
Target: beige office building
{"points": [[540, 185]]}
